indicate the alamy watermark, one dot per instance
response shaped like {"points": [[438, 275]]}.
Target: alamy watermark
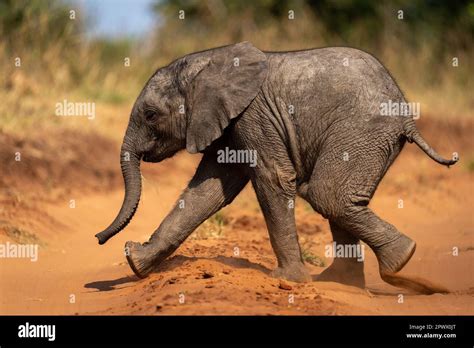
{"points": [[237, 156], [28, 330], [352, 251], [395, 108], [68, 108], [25, 251]]}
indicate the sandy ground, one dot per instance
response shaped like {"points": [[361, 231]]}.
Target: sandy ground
{"points": [[225, 271]]}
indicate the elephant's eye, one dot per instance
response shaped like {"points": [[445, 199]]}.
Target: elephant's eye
{"points": [[151, 116]]}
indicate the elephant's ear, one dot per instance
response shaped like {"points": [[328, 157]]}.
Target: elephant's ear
{"points": [[228, 79]]}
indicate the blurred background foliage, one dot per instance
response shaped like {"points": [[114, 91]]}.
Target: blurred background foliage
{"points": [[57, 56]]}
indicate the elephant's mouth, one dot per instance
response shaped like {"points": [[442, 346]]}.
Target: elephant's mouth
{"points": [[150, 157], [156, 155], [150, 152], [160, 152]]}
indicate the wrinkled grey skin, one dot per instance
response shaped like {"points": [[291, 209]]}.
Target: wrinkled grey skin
{"points": [[303, 112]]}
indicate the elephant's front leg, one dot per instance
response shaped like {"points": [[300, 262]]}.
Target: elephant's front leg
{"points": [[276, 190], [213, 186]]}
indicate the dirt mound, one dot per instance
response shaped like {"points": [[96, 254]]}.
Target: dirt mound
{"points": [[50, 166], [58, 159]]}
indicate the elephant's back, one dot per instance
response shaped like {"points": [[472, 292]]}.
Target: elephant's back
{"points": [[322, 79]]}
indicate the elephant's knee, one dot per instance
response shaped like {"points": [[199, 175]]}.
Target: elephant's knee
{"points": [[344, 209], [334, 202], [320, 200]]}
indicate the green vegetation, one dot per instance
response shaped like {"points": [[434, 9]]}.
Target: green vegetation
{"points": [[313, 259], [211, 228], [19, 235], [470, 165]]}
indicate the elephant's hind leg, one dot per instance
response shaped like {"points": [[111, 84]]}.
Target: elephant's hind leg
{"points": [[343, 181], [341, 191], [392, 248], [352, 220], [347, 269]]}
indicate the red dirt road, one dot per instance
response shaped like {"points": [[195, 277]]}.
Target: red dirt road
{"points": [[227, 272]]}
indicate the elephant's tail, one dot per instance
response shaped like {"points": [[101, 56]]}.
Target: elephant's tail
{"points": [[413, 135]]}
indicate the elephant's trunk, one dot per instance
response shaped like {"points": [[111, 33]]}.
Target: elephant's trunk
{"points": [[130, 163]]}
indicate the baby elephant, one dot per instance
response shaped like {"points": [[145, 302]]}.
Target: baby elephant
{"points": [[325, 124]]}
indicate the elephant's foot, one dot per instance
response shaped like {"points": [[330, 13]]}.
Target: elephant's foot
{"points": [[344, 271], [139, 259], [296, 272], [394, 255]]}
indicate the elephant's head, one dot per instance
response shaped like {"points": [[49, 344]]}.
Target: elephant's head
{"points": [[186, 104]]}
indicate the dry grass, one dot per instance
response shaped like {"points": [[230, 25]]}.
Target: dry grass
{"points": [[78, 70], [212, 228]]}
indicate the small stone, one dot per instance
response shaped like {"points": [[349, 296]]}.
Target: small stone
{"points": [[284, 285], [207, 275]]}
